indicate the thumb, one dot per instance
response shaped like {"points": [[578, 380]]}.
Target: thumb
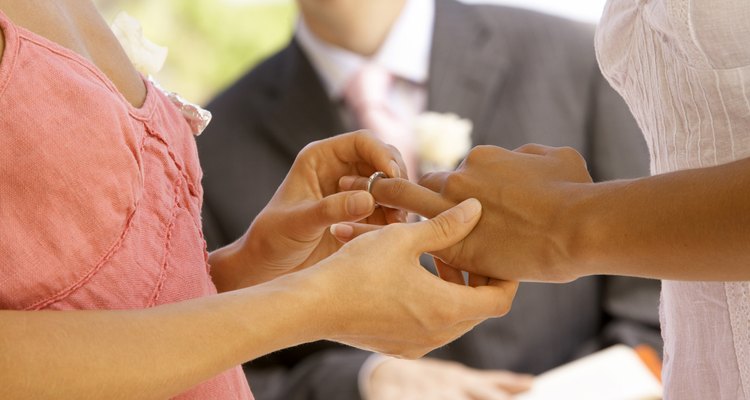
{"points": [[490, 301], [447, 229], [316, 216]]}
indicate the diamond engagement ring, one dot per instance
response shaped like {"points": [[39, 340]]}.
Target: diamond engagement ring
{"points": [[377, 175]]}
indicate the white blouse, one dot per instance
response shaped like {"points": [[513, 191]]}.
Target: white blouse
{"points": [[683, 66]]}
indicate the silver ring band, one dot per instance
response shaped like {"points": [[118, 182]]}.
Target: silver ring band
{"points": [[377, 175]]}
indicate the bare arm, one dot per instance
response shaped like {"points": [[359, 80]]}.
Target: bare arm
{"points": [[687, 225], [155, 353], [544, 220], [363, 296]]}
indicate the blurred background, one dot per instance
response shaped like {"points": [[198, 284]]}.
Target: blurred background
{"points": [[212, 42]]}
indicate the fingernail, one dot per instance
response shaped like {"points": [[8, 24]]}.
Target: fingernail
{"points": [[469, 209], [403, 215], [342, 231], [359, 203], [395, 170], [347, 182]]}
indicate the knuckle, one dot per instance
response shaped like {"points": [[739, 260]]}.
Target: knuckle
{"points": [[310, 147], [363, 134], [476, 155], [568, 153], [528, 147], [441, 228], [397, 188], [324, 210], [572, 157], [454, 182]]}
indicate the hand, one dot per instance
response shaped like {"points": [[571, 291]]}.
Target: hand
{"points": [[524, 233], [376, 295], [291, 232], [433, 379]]}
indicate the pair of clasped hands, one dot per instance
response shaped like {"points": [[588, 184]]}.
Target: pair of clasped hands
{"points": [[491, 217]]}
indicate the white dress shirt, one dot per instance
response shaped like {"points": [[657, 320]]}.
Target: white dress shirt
{"points": [[405, 54]]}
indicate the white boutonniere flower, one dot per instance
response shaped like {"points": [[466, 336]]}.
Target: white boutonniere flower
{"points": [[442, 140], [147, 57]]}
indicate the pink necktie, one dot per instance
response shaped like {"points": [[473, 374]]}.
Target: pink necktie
{"points": [[367, 96]]}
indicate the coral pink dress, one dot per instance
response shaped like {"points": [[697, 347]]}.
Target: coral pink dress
{"points": [[99, 201]]}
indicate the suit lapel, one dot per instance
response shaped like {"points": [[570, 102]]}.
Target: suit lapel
{"points": [[300, 111], [466, 65]]}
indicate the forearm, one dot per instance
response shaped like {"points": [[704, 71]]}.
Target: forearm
{"points": [[687, 225], [154, 353]]}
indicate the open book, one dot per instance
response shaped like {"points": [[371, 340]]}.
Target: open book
{"points": [[615, 373]]}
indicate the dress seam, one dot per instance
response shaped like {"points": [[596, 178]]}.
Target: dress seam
{"points": [[64, 293], [167, 248]]}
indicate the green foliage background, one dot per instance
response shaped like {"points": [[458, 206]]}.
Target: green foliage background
{"points": [[211, 42]]}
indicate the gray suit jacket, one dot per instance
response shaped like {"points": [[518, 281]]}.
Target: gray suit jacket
{"points": [[520, 77]]}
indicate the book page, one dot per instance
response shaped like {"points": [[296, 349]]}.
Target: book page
{"points": [[615, 373]]}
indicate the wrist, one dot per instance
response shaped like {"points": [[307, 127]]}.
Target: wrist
{"points": [[300, 301], [234, 266], [588, 226], [577, 230]]}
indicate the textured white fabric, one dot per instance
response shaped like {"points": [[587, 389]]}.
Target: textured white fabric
{"points": [[683, 66]]}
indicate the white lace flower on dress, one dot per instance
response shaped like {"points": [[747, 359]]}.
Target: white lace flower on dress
{"points": [[148, 58], [442, 140]]}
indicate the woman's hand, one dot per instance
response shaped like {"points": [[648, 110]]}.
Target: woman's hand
{"points": [[291, 232], [374, 294], [525, 229]]}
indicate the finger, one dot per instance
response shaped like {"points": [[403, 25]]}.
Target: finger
{"points": [[445, 230], [434, 181], [489, 301], [362, 146], [533, 148], [312, 217], [478, 280], [401, 194], [448, 273], [509, 381], [346, 232]]}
